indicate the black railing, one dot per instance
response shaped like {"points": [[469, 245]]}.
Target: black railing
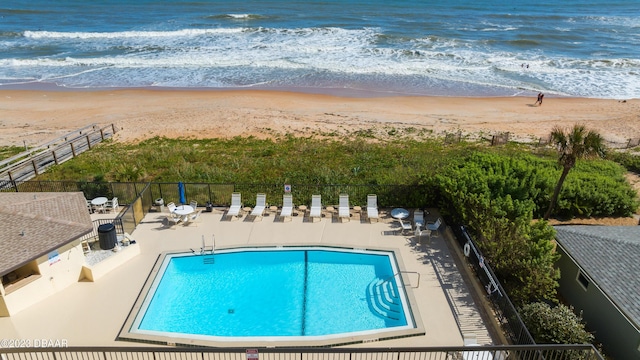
{"points": [[531, 352], [413, 196], [505, 312]]}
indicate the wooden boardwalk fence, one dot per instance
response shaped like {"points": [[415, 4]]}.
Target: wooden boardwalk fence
{"points": [[35, 161]]}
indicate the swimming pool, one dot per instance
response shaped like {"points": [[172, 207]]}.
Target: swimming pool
{"points": [[274, 294]]}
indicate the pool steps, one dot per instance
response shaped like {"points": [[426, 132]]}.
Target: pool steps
{"points": [[384, 299]]}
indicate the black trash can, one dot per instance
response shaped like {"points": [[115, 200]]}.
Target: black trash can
{"points": [[209, 207], [107, 236]]}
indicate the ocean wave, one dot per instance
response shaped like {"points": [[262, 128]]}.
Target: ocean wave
{"points": [[236, 16], [127, 34], [10, 34], [383, 66]]}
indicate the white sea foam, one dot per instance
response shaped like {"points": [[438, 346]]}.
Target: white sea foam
{"points": [[128, 34], [239, 16], [244, 56]]}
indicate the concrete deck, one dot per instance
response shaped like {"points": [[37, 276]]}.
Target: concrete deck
{"points": [[92, 313]]}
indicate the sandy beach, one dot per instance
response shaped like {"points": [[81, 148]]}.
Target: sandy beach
{"points": [[35, 117]]}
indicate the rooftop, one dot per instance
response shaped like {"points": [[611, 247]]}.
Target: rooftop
{"points": [[609, 256], [34, 224]]}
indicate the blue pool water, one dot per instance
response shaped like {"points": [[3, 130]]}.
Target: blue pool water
{"points": [[275, 293]]}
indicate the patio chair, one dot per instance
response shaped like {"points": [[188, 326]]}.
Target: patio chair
{"points": [[171, 207], [192, 218], [287, 207], [372, 207], [343, 208], [112, 204], [404, 226], [86, 247], [469, 339], [261, 204], [316, 208], [418, 218], [172, 219], [236, 205], [193, 204], [434, 227], [89, 207]]}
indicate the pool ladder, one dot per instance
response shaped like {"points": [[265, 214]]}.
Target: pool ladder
{"points": [[207, 250]]}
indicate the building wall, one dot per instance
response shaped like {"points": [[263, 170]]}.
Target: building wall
{"points": [[55, 274], [618, 335]]}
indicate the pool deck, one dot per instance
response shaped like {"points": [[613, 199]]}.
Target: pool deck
{"points": [[92, 313]]}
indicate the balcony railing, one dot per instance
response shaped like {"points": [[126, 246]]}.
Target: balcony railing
{"points": [[10, 351]]}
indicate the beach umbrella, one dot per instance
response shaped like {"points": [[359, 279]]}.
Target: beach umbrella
{"points": [[183, 198]]}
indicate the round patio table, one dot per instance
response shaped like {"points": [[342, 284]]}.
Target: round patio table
{"points": [[399, 213], [184, 211], [99, 203]]}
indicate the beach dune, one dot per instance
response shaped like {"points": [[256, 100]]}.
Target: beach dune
{"points": [[34, 117]]}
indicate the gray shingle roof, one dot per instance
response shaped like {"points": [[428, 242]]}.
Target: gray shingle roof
{"points": [[610, 257], [34, 224]]}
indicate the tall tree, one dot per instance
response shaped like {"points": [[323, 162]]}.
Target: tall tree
{"points": [[573, 144]]}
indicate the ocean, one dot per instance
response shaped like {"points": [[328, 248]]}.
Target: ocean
{"points": [[578, 48]]}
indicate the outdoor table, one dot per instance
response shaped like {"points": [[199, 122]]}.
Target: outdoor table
{"points": [[184, 211], [99, 202], [399, 213]]}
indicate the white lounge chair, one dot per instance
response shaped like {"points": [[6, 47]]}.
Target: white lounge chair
{"points": [[287, 207], [418, 219], [343, 208], [372, 207], [261, 204], [316, 208], [236, 205]]}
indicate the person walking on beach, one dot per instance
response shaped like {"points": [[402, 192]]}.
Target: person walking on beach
{"points": [[539, 101]]}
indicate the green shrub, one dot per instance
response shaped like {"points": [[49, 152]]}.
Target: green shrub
{"points": [[596, 188], [494, 195], [631, 162], [554, 325]]}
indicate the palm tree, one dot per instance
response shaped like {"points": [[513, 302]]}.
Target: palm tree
{"points": [[573, 144]]}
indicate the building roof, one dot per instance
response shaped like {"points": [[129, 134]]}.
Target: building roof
{"points": [[34, 224], [608, 255]]}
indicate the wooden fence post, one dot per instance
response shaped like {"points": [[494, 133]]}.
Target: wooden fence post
{"points": [[73, 150], [35, 167], [55, 158], [88, 142]]}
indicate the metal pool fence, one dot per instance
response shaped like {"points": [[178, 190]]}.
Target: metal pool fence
{"points": [[508, 352]]}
